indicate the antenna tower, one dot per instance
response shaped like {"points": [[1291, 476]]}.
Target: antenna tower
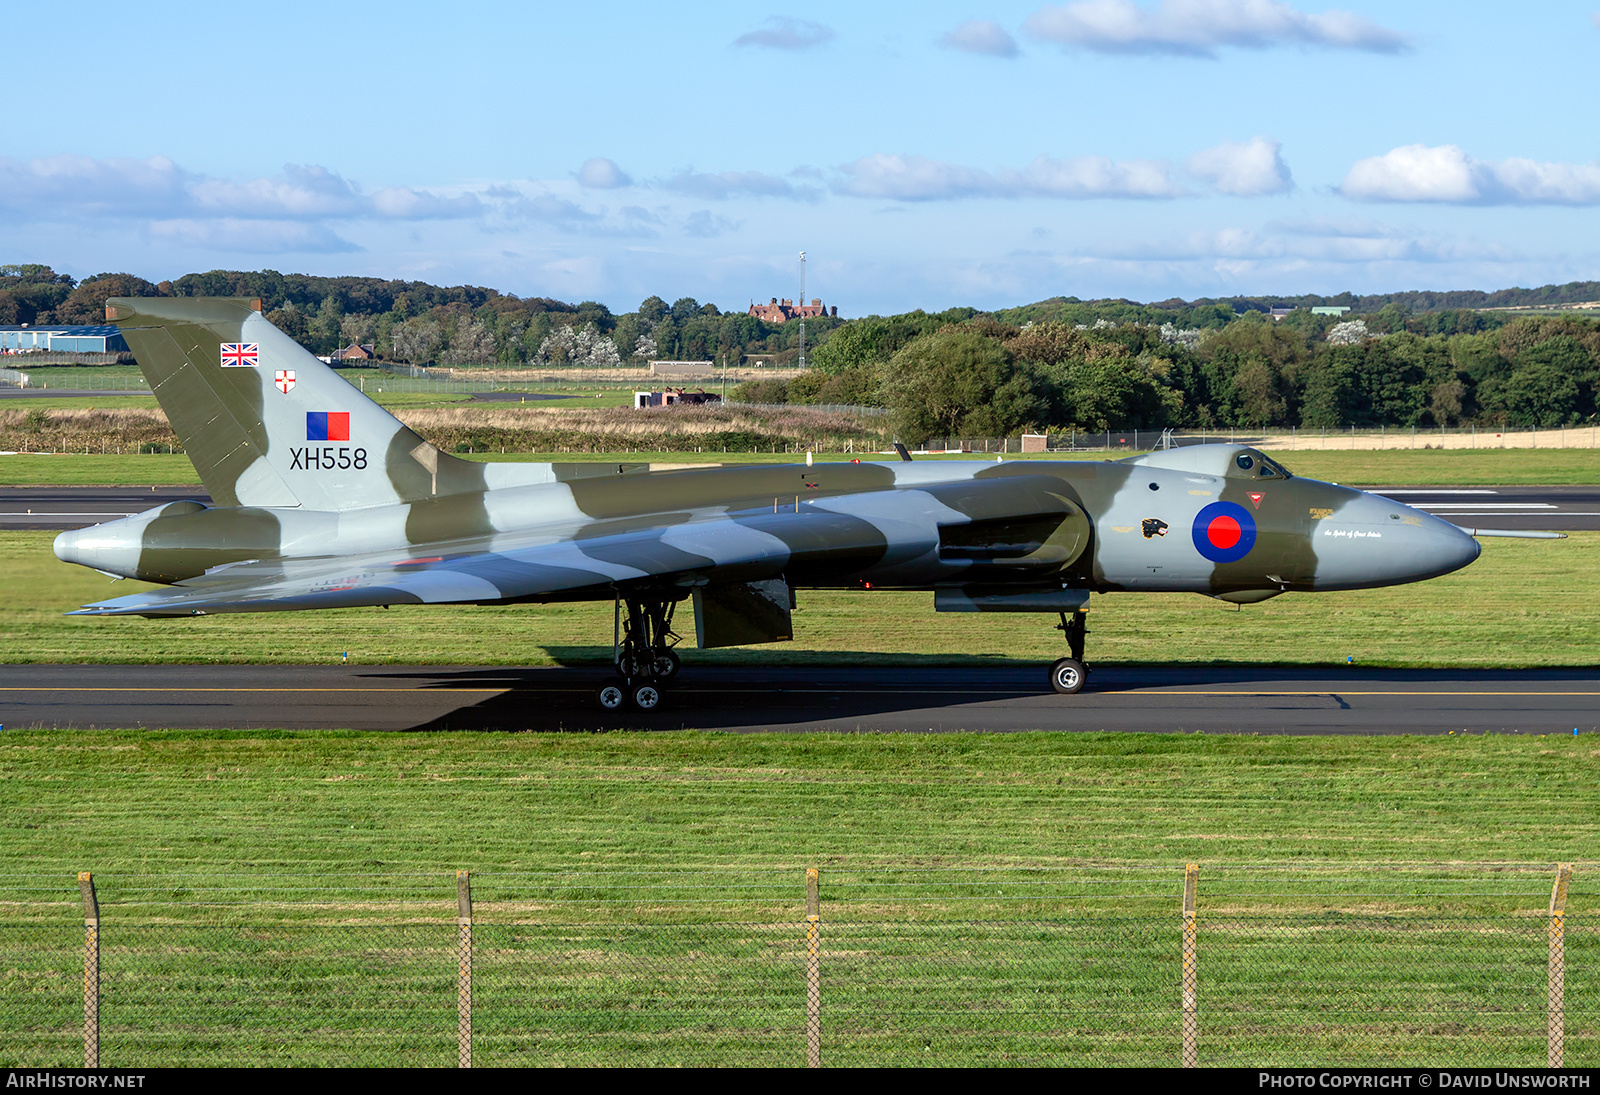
{"points": [[802, 303]]}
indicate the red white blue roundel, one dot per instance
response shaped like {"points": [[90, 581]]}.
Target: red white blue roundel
{"points": [[1224, 532]]}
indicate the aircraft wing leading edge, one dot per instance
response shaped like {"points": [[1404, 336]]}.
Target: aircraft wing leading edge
{"points": [[724, 549]]}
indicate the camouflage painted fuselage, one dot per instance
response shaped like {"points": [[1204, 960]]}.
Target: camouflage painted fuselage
{"points": [[324, 500]]}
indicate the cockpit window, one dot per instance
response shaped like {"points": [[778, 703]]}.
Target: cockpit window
{"points": [[1271, 469], [1249, 464]]}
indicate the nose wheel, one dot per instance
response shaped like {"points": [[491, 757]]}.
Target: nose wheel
{"points": [[1069, 675]]}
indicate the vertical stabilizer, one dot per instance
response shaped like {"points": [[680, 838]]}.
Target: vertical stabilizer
{"points": [[265, 422]]}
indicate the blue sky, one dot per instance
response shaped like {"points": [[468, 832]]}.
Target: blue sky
{"points": [[922, 155]]}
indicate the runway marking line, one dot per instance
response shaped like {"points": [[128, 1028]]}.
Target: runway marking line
{"points": [[834, 691]]}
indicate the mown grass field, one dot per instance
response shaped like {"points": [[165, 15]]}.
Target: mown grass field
{"points": [[337, 806], [289, 898]]}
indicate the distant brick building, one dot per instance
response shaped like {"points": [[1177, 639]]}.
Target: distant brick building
{"points": [[781, 311], [353, 352]]}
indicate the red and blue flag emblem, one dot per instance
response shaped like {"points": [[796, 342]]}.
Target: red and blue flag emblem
{"points": [[241, 355], [1224, 532], [327, 425]]}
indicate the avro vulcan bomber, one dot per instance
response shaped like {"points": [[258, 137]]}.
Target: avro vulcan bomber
{"points": [[321, 499]]}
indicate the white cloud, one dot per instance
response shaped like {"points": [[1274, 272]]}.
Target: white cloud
{"points": [[600, 173], [157, 187], [785, 32], [404, 203], [231, 234], [917, 178], [1321, 242], [705, 224], [1249, 169], [638, 214], [1244, 170], [981, 36], [729, 184], [81, 183], [1200, 27], [1446, 173], [515, 203], [301, 191], [912, 178], [1093, 177]]}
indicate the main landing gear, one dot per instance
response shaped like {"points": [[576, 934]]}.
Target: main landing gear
{"points": [[642, 652], [1069, 675]]}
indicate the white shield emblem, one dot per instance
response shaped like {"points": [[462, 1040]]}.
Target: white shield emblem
{"points": [[285, 380]]}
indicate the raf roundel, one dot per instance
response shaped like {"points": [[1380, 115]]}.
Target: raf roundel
{"points": [[1224, 532]]}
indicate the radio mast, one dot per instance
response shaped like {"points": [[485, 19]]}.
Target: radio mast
{"points": [[802, 303]]}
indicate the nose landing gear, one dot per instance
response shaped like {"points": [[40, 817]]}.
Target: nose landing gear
{"points": [[1069, 675], [642, 652]]}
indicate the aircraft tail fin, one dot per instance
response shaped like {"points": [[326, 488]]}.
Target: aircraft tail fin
{"points": [[268, 424]]}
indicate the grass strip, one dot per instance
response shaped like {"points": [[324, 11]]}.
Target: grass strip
{"points": [[335, 807]]}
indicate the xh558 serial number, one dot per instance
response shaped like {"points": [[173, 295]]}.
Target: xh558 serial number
{"points": [[327, 458]]}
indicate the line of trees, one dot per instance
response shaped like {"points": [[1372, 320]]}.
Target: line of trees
{"points": [[413, 321], [1404, 359], [955, 376]]}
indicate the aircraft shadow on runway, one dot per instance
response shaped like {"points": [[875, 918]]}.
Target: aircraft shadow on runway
{"points": [[718, 697]]}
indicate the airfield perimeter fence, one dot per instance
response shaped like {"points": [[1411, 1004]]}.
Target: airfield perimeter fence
{"points": [[1280, 441], [1486, 965], [1313, 439]]}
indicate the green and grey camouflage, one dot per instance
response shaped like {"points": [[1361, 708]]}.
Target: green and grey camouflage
{"points": [[321, 499]]}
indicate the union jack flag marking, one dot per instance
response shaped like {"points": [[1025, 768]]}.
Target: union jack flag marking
{"points": [[285, 380], [241, 355]]}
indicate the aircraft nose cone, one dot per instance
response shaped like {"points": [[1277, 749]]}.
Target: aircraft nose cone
{"points": [[1375, 541], [1443, 548], [65, 546]]}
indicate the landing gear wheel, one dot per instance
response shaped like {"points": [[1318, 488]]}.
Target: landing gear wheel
{"points": [[666, 665], [1068, 675], [611, 695], [642, 641], [646, 696]]}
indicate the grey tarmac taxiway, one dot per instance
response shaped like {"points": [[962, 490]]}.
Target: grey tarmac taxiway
{"points": [[1334, 700]]}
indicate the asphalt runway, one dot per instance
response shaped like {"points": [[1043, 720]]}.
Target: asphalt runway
{"points": [[58, 508], [1541, 508], [1558, 508], [1339, 700], [68, 393]]}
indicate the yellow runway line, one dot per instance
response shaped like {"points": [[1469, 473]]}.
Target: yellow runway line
{"points": [[954, 690], [1353, 692]]}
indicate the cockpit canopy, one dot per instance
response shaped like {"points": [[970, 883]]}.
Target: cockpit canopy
{"points": [[1229, 461], [1251, 464]]}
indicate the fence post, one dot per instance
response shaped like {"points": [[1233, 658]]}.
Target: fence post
{"points": [[463, 969], [1557, 1035], [1191, 1023], [813, 973], [91, 971]]}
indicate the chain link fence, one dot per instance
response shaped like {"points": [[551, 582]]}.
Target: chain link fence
{"points": [[1311, 439], [1261, 967]]}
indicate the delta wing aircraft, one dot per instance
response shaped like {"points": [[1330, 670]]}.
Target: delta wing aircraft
{"points": [[321, 499]]}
